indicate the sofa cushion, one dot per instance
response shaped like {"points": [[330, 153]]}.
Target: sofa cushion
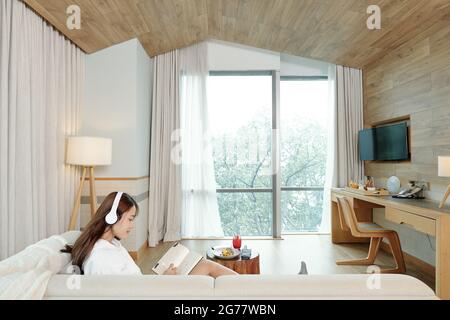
{"points": [[237, 287], [322, 287], [131, 287]]}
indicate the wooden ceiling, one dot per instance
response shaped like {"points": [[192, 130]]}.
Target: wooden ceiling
{"points": [[329, 30]]}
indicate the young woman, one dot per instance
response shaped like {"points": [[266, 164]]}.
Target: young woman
{"points": [[98, 249]]}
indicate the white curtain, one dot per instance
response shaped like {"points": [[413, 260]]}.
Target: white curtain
{"points": [[345, 121], [349, 121], [165, 170], [41, 84], [325, 226], [200, 212]]}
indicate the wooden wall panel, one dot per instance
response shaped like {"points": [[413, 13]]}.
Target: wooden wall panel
{"points": [[414, 80]]}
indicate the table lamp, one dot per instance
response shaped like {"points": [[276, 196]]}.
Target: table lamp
{"points": [[87, 152], [444, 171]]}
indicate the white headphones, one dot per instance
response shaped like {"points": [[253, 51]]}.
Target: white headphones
{"points": [[111, 217]]}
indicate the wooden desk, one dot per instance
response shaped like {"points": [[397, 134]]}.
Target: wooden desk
{"points": [[421, 215]]}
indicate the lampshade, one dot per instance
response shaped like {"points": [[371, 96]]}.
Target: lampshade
{"points": [[89, 151], [444, 166]]}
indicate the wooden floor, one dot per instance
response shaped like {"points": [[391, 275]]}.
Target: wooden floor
{"points": [[284, 256]]}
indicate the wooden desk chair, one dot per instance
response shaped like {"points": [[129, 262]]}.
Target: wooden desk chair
{"points": [[349, 222]]}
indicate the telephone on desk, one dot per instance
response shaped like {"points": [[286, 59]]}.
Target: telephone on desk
{"points": [[410, 193]]}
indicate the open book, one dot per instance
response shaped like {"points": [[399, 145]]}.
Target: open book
{"points": [[181, 257]]}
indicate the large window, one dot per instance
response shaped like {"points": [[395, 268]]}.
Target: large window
{"points": [[304, 104], [241, 125], [241, 110]]}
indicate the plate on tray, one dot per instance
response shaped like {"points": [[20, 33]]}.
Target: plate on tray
{"points": [[377, 192], [226, 253]]}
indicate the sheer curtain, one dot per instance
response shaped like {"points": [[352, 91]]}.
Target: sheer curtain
{"points": [[325, 226], [165, 172], [200, 213], [41, 85]]}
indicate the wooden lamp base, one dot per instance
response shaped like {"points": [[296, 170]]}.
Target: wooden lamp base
{"points": [[93, 196], [447, 193]]}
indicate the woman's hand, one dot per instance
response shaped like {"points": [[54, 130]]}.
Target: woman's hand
{"points": [[171, 271]]}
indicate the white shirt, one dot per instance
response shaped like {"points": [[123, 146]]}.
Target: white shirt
{"points": [[108, 258]]}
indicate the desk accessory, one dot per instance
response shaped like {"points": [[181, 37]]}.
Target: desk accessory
{"points": [[393, 185], [444, 171], [413, 192]]}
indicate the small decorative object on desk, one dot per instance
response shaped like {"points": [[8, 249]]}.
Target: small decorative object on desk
{"points": [[393, 185], [352, 184], [237, 242], [413, 191], [369, 182], [366, 187]]}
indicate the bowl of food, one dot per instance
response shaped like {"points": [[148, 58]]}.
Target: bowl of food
{"points": [[226, 252]]}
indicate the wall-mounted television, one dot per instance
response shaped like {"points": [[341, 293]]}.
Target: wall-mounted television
{"points": [[384, 143]]}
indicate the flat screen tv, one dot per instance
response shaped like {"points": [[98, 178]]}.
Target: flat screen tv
{"points": [[384, 143]]}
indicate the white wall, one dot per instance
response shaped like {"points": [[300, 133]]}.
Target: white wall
{"points": [[298, 66], [144, 87], [143, 120], [226, 56], [117, 106]]}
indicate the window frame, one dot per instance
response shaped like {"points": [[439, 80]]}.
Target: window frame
{"points": [[277, 187]]}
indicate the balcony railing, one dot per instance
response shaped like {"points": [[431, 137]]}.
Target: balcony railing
{"points": [[264, 190]]}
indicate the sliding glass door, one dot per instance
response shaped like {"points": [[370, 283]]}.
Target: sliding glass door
{"points": [[240, 107]]}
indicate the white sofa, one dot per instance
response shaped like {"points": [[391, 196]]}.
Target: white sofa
{"points": [[265, 287], [251, 287]]}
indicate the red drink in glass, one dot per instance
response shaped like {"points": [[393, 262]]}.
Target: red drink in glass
{"points": [[237, 242]]}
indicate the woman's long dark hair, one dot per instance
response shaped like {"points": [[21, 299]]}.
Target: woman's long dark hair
{"points": [[97, 227]]}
